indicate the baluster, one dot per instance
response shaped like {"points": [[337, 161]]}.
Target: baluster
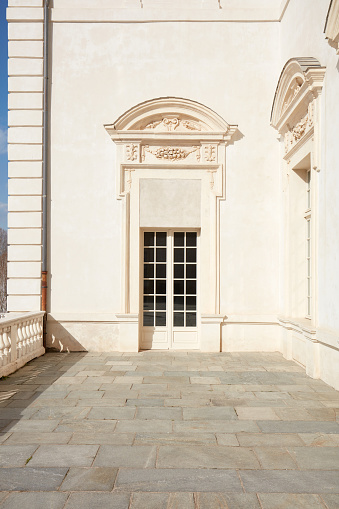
{"points": [[24, 338], [25, 335], [30, 336], [34, 335], [19, 341], [7, 349], [40, 326], [2, 347]]}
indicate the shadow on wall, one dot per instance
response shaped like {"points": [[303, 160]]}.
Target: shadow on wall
{"points": [[82, 336], [59, 339]]}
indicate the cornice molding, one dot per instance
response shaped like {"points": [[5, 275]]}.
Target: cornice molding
{"points": [[332, 25]]}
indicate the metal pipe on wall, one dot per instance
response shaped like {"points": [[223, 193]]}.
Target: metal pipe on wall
{"points": [[44, 270]]}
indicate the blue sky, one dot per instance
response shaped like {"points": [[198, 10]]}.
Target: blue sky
{"points": [[3, 113]]}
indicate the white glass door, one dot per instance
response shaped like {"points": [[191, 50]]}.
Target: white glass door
{"points": [[169, 290]]}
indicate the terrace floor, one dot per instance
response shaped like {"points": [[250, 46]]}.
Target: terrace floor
{"points": [[167, 430]]}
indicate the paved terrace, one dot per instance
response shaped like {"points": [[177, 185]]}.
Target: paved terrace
{"points": [[158, 430]]}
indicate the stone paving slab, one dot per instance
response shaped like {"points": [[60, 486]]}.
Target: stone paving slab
{"points": [[64, 455], [289, 501], [298, 427], [31, 479], [98, 500], [177, 480], [162, 501], [227, 501], [206, 457], [89, 479], [51, 500], [331, 501], [16, 455], [179, 430], [289, 481], [175, 438], [126, 456]]}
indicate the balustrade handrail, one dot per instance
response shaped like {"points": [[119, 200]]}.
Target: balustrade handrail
{"points": [[21, 339], [11, 318]]}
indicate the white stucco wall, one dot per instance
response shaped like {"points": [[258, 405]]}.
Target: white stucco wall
{"points": [[302, 34], [101, 70], [107, 56]]}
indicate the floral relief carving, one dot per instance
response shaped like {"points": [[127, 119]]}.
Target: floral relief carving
{"points": [[132, 152], [210, 153], [297, 132], [171, 153], [171, 124]]}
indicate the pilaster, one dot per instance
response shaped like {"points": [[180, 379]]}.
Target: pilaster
{"points": [[25, 148]]}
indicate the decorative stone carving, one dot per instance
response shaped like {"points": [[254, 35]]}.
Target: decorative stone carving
{"points": [[293, 91], [165, 132], [296, 106], [171, 124], [211, 172], [132, 152], [171, 153], [129, 179], [210, 153], [300, 129]]}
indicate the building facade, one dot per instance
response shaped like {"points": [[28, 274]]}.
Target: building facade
{"points": [[173, 169]]}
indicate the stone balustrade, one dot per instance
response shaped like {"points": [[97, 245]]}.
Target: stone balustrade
{"points": [[21, 339]]}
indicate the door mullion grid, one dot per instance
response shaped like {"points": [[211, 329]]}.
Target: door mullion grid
{"points": [[170, 286]]}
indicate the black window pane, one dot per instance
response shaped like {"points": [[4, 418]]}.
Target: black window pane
{"points": [[191, 255], [178, 271], [191, 319], [191, 286], [179, 238], [179, 287], [178, 255], [149, 270], [148, 286], [148, 238], [161, 254], [191, 303], [191, 239], [160, 286], [178, 319], [191, 271], [160, 319], [178, 303], [148, 319], [148, 303], [161, 302], [148, 254], [161, 239], [161, 270]]}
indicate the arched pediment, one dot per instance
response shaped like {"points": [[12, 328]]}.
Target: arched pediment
{"points": [[170, 115], [168, 133], [299, 82], [332, 25]]}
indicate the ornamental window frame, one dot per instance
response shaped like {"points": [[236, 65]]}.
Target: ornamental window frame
{"points": [[296, 115], [170, 138]]}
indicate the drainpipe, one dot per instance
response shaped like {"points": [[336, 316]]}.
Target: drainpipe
{"points": [[44, 171]]}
